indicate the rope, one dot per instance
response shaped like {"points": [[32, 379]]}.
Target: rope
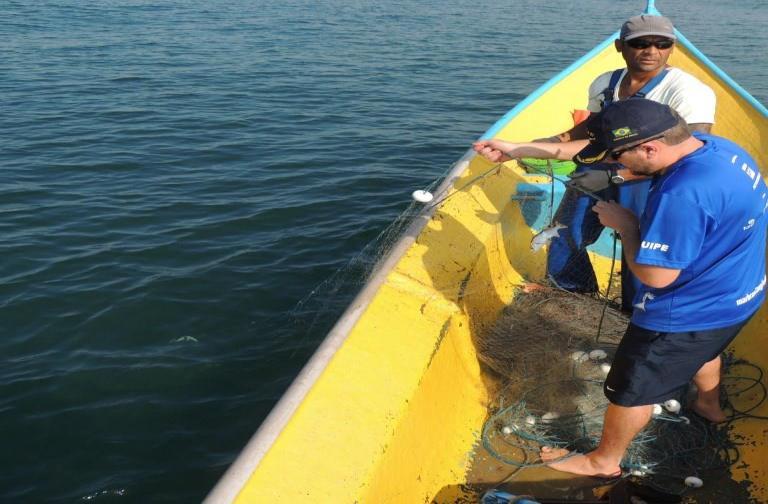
{"points": [[607, 290]]}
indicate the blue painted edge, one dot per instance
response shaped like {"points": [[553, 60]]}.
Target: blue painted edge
{"points": [[651, 8], [493, 130]]}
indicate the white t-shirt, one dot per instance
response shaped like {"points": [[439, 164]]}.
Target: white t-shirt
{"points": [[691, 98]]}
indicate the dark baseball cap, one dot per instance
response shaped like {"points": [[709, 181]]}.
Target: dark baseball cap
{"points": [[646, 25], [623, 124]]}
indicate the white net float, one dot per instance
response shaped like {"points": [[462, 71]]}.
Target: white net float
{"points": [[693, 482], [598, 354], [422, 196], [549, 417]]}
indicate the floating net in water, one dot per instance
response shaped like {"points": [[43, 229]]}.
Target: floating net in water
{"points": [[314, 315]]}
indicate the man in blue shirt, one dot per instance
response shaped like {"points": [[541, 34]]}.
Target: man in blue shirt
{"points": [[645, 43], [699, 251]]}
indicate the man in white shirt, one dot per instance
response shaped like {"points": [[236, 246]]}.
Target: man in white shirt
{"points": [[645, 43]]}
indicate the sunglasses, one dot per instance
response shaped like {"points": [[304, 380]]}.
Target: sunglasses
{"points": [[615, 155], [641, 43]]}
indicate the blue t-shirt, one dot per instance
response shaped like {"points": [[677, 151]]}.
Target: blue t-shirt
{"points": [[706, 217]]}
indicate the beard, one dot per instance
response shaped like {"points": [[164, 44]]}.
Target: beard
{"points": [[639, 167]]}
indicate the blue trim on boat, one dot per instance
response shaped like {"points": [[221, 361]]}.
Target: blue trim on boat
{"points": [[651, 9], [493, 130]]}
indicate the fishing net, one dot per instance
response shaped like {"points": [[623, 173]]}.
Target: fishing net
{"points": [[546, 349], [551, 350], [316, 312], [314, 315]]}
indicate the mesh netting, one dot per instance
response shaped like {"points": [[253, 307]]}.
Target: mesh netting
{"points": [[546, 325], [546, 347], [551, 350]]}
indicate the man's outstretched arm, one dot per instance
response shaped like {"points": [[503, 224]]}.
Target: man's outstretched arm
{"points": [[500, 150]]}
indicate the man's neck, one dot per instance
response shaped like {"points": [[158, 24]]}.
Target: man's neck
{"points": [[634, 80], [679, 151]]}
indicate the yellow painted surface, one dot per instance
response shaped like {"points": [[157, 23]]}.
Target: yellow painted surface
{"points": [[396, 414]]}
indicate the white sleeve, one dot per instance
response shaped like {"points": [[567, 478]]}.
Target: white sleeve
{"points": [[596, 92], [694, 101]]}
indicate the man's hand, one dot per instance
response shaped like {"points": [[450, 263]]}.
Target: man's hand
{"points": [[615, 216], [494, 150], [591, 180]]}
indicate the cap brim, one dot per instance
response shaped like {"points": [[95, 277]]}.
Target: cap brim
{"points": [[647, 33], [591, 154]]}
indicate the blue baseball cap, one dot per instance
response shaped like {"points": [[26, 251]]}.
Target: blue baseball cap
{"points": [[623, 124]]}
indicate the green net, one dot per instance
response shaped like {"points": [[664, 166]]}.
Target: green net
{"points": [[547, 166]]}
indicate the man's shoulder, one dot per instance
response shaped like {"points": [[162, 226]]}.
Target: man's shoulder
{"points": [[677, 78], [706, 171], [723, 147], [603, 79], [690, 97]]}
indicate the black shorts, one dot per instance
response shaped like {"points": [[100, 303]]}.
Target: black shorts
{"points": [[650, 367]]}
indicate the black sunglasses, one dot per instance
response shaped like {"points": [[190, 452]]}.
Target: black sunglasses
{"points": [[615, 155], [641, 43]]}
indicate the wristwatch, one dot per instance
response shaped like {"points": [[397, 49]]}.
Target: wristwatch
{"points": [[615, 177]]}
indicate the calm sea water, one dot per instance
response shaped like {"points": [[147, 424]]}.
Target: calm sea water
{"points": [[177, 175]]}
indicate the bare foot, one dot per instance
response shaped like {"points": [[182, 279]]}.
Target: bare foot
{"points": [[711, 411], [529, 287], [583, 465]]}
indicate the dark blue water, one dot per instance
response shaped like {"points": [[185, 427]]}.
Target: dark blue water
{"points": [[176, 176]]}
